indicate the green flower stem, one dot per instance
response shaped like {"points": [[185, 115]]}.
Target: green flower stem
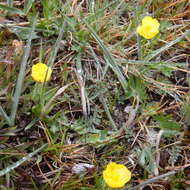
{"points": [[22, 74]]}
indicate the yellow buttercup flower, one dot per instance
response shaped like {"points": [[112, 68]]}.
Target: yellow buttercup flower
{"points": [[39, 71], [149, 27], [116, 175]]}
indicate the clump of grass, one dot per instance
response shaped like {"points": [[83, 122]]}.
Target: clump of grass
{"points": [[113, 95]]}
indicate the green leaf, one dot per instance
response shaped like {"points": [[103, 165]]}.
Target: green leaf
{"points": [[11, 9], [146, 158], [164, 25], [136, 88], [49, 8], [167, 124]]}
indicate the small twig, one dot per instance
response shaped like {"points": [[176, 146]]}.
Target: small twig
{"points": [[131, 117], [157, 149], [82, 92]]}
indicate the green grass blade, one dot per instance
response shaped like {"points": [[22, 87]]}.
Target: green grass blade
{"points": [[56, 46], [158, 51], [108, 113], [6, 117], [111, 61], [10, 3], [27, 5], [22, 74], [11, 10], [21, 161], [53, 56]]}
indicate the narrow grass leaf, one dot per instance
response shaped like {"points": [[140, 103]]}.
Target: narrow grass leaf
{"points": [[56, 46], [11, 10], [48, 105], [143, 62], [4, 114], [168, 45], [108, 113], [97, 63], [111, 61], [152, 180], [21, 161], [22, 74], [27, 5], [53, 56], [10, 3]]}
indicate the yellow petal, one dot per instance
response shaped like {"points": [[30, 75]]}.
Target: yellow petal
{"points": [[146, 19], [149, 27], [116, 175], [39, 71]]}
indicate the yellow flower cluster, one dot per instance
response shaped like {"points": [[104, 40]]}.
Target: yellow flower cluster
{"points": [[39, 71], [116, 175], [149, 27]]}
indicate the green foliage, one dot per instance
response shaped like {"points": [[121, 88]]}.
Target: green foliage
{"points": [[109, 58], [167, 124], [175, 153], [146, 159], [164, 25], [50, 8], [99, 39], [15, 101], [177, 181], [136, 88]]}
